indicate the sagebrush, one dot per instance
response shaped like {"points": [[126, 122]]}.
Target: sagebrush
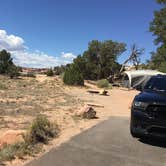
{"points": [[41, 130]]}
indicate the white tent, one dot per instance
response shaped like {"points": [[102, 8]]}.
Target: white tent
{"points": [[138, 78]]}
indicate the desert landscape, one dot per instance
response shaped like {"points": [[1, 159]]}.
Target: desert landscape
{"points": [[82, 83], [25, 98]]}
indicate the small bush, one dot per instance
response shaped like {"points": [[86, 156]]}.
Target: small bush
{"points": [[7, 153], [50, 72], [41, 130], [103, 83], [23, 148], [13, 72], [73, 76], [30, 74], [20, 149]]}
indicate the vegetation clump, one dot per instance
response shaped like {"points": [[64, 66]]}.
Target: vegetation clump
{"points": [[103, 83], [7, 153], [13, 72], [73, 76], [20, 149], [58, 70], [7, 67], [100, 59], [41, 131], [30, 74], [157, 27], [50, 73]]}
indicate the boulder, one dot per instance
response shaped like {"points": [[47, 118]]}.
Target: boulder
{"points": [[11, 137], [87, 112]]}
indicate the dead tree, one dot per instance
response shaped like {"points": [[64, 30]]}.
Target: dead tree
{"points": [[134, 57]]}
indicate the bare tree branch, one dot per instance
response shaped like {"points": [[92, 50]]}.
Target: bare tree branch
{"points": [[134, 57]]}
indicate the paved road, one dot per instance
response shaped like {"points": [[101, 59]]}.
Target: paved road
{"points": [[107, 144]]}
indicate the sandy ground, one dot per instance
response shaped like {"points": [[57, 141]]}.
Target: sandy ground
{"points": [[117, 103]]}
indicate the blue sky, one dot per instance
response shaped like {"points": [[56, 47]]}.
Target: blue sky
{"points": [[52, 32]]}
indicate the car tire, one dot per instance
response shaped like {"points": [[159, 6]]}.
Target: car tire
{"points": [[134, 134]]}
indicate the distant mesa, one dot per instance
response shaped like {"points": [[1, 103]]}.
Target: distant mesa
{"points": [[34, 70]]}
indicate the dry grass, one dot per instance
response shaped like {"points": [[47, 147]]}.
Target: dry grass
{"points": [[23, 99], [18, 150], [40, 132]]}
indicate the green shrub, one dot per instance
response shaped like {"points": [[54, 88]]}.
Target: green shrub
{"points": [[23, 148], [13, 71], [73, 76], [30, 74], [103, 83], [58, 70], [20, 149], [41, 130], [6, 62], [50, 72], [7, 153]]}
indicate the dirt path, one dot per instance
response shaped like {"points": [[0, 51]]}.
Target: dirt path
{"points": [[116, 104]]}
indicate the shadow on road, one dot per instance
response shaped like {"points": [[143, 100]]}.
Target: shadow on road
{"points": [[154, 142]]}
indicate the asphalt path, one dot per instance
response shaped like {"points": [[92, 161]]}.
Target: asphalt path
{"points": [[106, 144]]}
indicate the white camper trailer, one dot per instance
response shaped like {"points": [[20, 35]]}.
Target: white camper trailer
{"points": [[138, 78]]}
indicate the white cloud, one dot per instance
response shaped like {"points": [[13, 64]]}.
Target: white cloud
{"points": [[37, 60], [22, 57], [11, 42], [68, 55]]}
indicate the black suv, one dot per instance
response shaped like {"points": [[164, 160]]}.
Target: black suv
{"points": [[148, 111]]}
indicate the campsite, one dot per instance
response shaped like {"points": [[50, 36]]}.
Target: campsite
{"points": [[69, 101], [83, 83]]}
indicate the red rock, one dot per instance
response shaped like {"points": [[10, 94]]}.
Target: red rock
{"points": [[11, 137]]}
